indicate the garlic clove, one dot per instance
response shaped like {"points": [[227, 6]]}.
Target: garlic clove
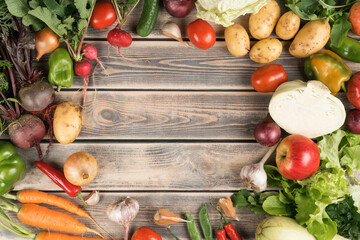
{"points": [[172, 30], [166, 217], [93, 198], [227, 207]]}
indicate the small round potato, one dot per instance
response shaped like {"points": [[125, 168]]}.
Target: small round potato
{"points": [[310, 39], [263, 23], [288, 25], [237, 40], [67, 122], [266, 50]]}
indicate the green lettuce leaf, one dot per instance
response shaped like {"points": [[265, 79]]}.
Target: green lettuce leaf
{"points": [[225, 11], [355, 194], [329, 149], [274, 206]]}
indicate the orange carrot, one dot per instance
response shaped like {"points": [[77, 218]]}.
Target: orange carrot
{"points": [[42, 217], [38, 197], [60, 236]]}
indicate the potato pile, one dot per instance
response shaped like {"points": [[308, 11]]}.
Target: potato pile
{"points": [[310, 39]]}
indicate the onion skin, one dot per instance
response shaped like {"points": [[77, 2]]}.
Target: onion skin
{"points": [[80, 168], [46, 41], [352, 121], [179, 8]]}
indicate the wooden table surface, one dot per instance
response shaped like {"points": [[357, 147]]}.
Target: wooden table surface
{"points": [[172, 126]]}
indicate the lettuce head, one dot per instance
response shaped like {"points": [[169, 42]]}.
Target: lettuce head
{"points": [[225, 11]]}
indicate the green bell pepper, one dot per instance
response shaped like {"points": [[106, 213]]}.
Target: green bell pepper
{"points": [[61, 69], [329, 68], [12, 167], [349, 49]]}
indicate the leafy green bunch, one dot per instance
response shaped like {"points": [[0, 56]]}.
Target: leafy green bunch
{"points": [[334, 11], [316, 202], [69, 19]]}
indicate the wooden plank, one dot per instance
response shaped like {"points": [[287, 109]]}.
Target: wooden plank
{"points": [[153, 166], [149, 203], [170, 115], [175, 66]]}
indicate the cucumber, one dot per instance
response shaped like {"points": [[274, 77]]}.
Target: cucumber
{"points": [[148, 17]]}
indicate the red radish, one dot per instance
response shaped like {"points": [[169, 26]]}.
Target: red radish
{"points": [[119, 38], [83, 69], [91, 53]]}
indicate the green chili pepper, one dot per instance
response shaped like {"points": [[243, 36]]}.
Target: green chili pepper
{"points": [[329, 68], [193, 230], [348, 49], [61, 72], [205, 223], [12, 167]]}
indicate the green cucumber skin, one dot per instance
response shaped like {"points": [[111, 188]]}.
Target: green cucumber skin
{"points": [[148, 17]]}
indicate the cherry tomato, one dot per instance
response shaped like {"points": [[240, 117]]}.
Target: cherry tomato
{"points": [[201, 34], [145, 233], [353, 90], [103, 15], [267, 78]]}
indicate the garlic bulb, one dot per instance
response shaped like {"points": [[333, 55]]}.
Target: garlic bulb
{"points": [[123, 212], [254, 175]]}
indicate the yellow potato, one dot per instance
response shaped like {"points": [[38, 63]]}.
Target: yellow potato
{"points": [[310, 39], [237, 40], [67, 122], [288, 25], [266, 50], [262, 23]]}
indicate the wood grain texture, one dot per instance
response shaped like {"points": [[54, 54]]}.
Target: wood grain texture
{"points": [[153, 166], [170, 115], [175, 66], [149, 204]]}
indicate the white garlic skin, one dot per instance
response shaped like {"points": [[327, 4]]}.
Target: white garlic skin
{"points": [[93, 198], [254, 176], [123, 211]]}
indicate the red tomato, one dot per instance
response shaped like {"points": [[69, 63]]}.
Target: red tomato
{"points": [[145, 233], [201, 34], [103, 15], [353, 90], [355, 18], [267, 78]]}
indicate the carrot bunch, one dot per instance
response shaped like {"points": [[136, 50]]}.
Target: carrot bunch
{"points": [[38, 216]]}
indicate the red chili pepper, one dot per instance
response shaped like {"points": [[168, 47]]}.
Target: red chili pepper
{"points": [[59, 179], [220, 232], [231, 231], [229, 227]]}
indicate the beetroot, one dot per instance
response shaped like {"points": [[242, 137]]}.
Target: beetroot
{"points": [[37, 96], [27, 132]]}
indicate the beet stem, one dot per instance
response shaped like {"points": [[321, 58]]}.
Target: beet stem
{"points": [[13, 84], [28, 66], [7, 102], [38, 149]]}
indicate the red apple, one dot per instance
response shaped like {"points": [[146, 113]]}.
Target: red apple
{"points": [[297, 157], [355, 18], [353, 90]]}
